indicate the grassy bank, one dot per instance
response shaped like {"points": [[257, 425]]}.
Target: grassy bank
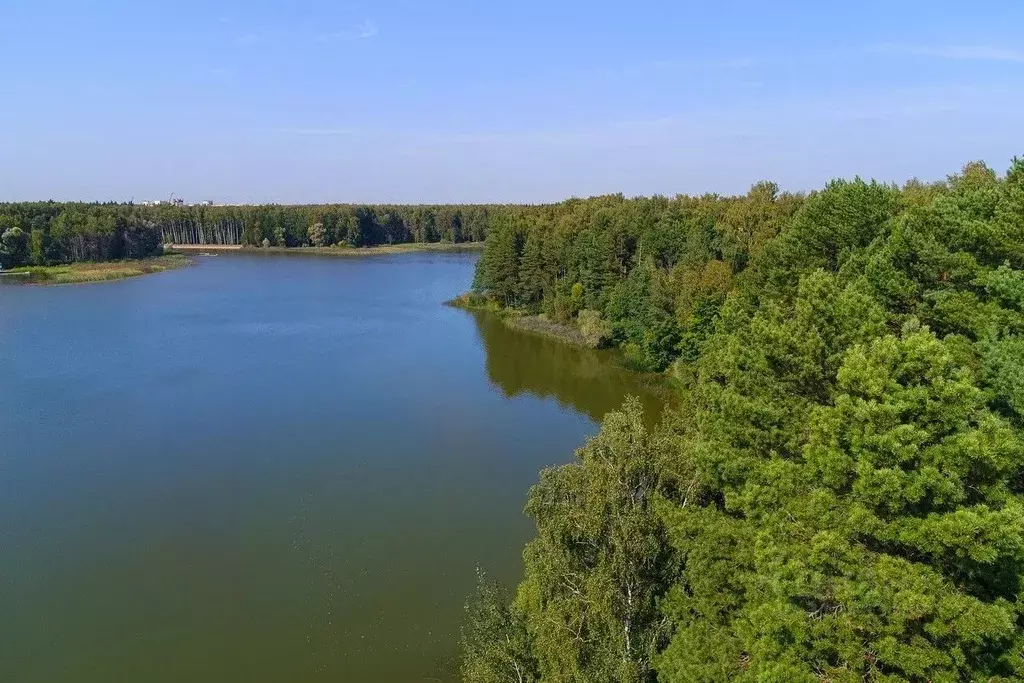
{"points": [[539, 324], [76, 273], [535, 324], [411, 247]]}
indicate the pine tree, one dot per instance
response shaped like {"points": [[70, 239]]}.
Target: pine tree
{"points": [[531, 271]]}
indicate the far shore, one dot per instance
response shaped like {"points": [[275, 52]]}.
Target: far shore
{"points": [[383, 249], [178, 255]]}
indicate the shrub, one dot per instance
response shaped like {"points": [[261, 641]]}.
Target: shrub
{"points": [[596, 330]]}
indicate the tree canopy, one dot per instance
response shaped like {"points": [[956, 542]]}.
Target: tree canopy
{"points": [[841, 495]]}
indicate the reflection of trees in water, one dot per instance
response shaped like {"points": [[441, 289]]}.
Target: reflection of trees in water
{"points": [[586, 380]]}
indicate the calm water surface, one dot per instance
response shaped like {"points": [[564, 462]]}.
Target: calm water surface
{"points": [[268, 468]]}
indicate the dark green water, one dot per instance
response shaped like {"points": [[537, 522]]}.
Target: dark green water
{"points": [[268, 468]]}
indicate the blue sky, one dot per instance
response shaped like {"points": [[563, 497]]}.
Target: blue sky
{"points": [[452, 100]]}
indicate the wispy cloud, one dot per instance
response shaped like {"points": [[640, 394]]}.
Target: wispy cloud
{"points": [[685, 65], [637, 133], [933, 105], [979, 53], [888, 111], [249, 39], [709, 63], [361, 31], [221, 71], [367, 29], [318, 132]]}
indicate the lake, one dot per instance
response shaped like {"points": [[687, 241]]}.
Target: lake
{"points": [[269, 468]]}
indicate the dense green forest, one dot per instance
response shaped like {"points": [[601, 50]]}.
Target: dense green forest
{"points": [[654, 270], [48, 233], [43, 233], [839, 496]]}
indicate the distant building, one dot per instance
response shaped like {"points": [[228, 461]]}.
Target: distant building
{"points": [[175, 201]]}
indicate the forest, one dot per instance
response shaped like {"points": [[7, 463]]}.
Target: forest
{"points": [[839, 494], [48, 233]]}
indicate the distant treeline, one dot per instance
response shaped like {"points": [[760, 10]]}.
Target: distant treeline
{"points": [[41, 233], [839, 495], [320, 225]]}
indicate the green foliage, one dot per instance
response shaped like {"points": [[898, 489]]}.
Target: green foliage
{"points": [[37, 247], [879, 539], [656, 269], [317, 235], [843, 497], [13, 248], [600, 558], [831, 226], [640, 310], [1003, 362], [497, 272], [496, 646], [595, 329], [576, 298], [749, 223], [532, 278], [73, 232], [51, 233], [592, 260]]}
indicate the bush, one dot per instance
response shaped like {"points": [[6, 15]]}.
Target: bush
{"points": [[576, 298], [469, 300], [317, 235], [13, 248], [596, 330], [635, 358]]}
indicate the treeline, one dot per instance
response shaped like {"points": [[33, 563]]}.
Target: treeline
{"points": [[841, 498], [47, 233], [656, 269], [321, 225], [41, 233]]}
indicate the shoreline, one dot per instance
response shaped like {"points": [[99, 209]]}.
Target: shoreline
{"points": [[532, 324], [666, 384], [538, 325], [178, 256], [380, 250], [105, 271]]}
